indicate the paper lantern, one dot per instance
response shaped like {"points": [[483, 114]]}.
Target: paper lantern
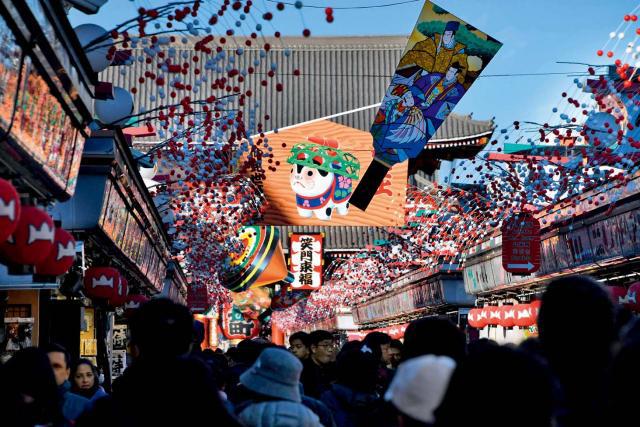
{"points": [[61, 257], [96, 54], [617, 293], [476, 318], [32, 240], [117, 110], [524, 315], [507, 316], [133, 303], [631, 299], [9, 209], [120, 296], [495, 315], [535, 309], [102, 282]]}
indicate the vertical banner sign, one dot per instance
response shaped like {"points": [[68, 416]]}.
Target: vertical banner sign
{"points": [[521, 245], [306, 261], [443, 57]]}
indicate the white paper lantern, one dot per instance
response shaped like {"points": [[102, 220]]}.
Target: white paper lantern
{"points": [[115, 111], [96, 54]]}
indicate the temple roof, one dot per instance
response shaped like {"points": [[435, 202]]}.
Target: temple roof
{"points": [[337, 74]]}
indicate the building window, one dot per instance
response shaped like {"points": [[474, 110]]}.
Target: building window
{"points": [[18, 310]]}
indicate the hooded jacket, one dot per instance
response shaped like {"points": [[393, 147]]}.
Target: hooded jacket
{"points": [[278, 413]]}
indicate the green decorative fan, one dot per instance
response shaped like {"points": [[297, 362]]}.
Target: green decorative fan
{"points": [[326, 158]]}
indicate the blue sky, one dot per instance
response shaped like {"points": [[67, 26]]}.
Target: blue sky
{"points": [[535, 34]]}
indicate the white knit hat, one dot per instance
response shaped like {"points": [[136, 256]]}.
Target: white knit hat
{"points": [[419, 385]]}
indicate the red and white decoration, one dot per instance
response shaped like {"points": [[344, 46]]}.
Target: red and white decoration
{"points": [[632, 298], [507, 316], [306, 261], [32, 240], [133, 303], [9, 209], [103, 283], [120, 296], [61, 257]]}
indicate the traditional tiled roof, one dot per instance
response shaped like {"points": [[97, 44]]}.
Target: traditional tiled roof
{"points": [[337, 238], [337, 74]]}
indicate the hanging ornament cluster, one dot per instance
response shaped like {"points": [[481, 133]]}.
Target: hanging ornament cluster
{"points": [[28, 236]]}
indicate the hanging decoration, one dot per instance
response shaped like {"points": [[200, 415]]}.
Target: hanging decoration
{"points": [[103, 283], [9, 209], [253, 302], [235, 326], [32, 240], [321, 177], [443, 58], [61, 257], [306, 260], [133, 303], [260, 261]]}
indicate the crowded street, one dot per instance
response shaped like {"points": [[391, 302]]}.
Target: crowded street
{"points": [[319, 213]]}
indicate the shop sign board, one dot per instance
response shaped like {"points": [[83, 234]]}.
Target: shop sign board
{"points": [[521, 244], [235, 326], [306, 261]]}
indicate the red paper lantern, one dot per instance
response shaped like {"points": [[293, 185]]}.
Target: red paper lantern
{"points": [[535, 309], [524, 315], [133, 303], [495, 315], [508, 316], [120, 296], [632, 298], [32, 240], [617, 293], [9, 209], [476, 319], [61, 257], [102, 282]]}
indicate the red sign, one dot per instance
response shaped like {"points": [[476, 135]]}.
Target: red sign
{"points": [[521, 244], [306, 261]]}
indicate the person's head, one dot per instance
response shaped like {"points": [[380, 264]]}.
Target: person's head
{"points": [[29, 392], [219, 366], [276, 374], [299, 343], [450, 29], [84, 376], [357, 367], [419, 385], [60, 362], [379, 343], [161, 329], [453, 71], [395, 353], [198, 335], [565, 300], [488, 375], [434, 335], [322, 347]]}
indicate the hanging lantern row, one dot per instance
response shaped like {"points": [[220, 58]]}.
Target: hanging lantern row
{"points": [[507, 316], [28, 236]]}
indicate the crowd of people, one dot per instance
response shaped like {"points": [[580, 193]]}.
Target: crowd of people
{"points": [[579, 371]]}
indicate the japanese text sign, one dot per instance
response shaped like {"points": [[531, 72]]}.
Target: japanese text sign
{"points": [[521, 244], [306, 261]]}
